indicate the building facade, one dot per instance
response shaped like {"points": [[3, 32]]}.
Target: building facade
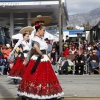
{"points": [[95, 33], [15, 13]]}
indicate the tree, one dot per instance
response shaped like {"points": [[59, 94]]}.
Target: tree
{"points": [[70, 28], [87, 26]]}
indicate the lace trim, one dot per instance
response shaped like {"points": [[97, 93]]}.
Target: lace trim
{"points": [[39, 97], [15, 77]]}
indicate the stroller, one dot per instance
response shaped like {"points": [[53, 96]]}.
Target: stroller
{"points": [[65, 66]]}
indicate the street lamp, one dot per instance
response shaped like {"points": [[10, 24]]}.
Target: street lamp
{"points": [[79, 36], [60, 26]]}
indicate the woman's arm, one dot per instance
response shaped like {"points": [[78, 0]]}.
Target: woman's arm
{"points": [[36, 47], [17, 44]]}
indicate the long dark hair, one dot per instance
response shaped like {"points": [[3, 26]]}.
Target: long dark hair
{"points": [[39, 26]]}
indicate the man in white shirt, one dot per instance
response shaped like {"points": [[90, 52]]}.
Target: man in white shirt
{"points": [[49, 49]]}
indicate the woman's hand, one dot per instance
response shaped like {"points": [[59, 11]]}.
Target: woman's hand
{"points": [[76, 61], [42, 57]]}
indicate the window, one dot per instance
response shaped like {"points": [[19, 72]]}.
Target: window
{"points": [[2, 32]]}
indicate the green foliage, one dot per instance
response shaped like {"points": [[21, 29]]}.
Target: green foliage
{"points": [[87, 26], [70, 28]]}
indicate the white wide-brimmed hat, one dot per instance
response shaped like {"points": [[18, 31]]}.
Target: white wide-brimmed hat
{"points": [[45, 19], [28, 28]]}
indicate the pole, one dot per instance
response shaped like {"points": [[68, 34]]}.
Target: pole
{"points": [[79, 45], [60, 26]]}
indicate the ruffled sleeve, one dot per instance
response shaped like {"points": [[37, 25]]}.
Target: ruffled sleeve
{"points": [[18, 43], [35, 42]]}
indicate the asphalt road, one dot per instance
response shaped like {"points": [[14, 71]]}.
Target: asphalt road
{"points": [[74, 86]]}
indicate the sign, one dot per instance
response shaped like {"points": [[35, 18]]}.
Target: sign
{"points": [[24, 0], [20, 2]]}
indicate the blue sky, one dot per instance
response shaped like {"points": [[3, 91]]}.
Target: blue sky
{"points": [[81, 6]]}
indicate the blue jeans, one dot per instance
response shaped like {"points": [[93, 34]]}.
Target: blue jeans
{"points": [[2, 68], [93, 64]]}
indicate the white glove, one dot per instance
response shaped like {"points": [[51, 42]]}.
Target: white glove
{"points": [[12, 52], [28, 58], [25, 62]]}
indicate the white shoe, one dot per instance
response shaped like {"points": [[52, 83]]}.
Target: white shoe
{"points": [[1, 73], [7, 73], [56, 74]]}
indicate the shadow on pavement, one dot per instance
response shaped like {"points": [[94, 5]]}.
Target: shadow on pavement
{"points": [[6, 94]]}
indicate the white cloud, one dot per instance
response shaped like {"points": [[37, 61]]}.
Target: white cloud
{"points": [[81, 6]]}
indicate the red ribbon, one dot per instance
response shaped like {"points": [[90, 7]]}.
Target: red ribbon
{"points": [[37, 25]]}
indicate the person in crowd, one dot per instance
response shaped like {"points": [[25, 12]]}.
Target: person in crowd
{"points": [[39, 80], [70, 56], [57, 47], [98, 46], [7, 51], [67, 64], [66, 50], [49, 49], [1, 55], [94, 61], [5, 65], [67, 39], [1, 67], [3, 50], [98, 53], [73, 49], [89, 47], [86, 55], [54, 58], [79, 62]]}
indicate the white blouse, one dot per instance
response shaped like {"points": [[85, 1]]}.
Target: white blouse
{"points": [[25, 45], [42, 43], [31, 38]]}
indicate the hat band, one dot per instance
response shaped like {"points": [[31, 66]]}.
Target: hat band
{"points": [[39, 22]]}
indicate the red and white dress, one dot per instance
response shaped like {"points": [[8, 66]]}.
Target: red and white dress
{"points": [[43, 83], [18, 68]]}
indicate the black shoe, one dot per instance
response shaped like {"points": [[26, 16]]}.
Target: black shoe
{"points": [[15, 81], [23, 98], [52, 99], [62, 98]]}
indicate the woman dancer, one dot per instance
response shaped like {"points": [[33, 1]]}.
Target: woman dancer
{"points": [[18, 68], [39, 80], [27, 30]]}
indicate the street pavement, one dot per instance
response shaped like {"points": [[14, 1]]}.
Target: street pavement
{"points": [[74, 86]]}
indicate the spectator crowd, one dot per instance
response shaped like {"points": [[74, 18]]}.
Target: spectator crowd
{"points": [[78, 59], [75, 59]]}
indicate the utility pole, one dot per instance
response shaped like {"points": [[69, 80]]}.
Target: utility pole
{"points": [[60, 26]]}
